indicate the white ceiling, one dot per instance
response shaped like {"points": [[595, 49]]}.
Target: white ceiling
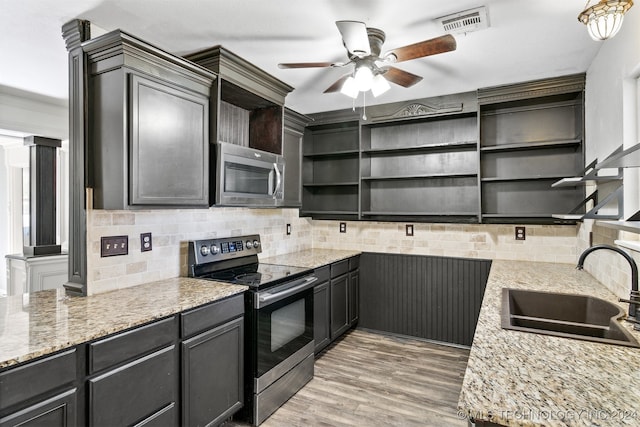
{"points": [[527, 39]]}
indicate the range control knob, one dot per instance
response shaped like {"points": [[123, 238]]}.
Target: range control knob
{"points": [[214, 249], [204, 250], [249, 244], [256, 243]]}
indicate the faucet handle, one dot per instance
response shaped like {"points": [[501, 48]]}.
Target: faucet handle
{"points": [[633, 300]]}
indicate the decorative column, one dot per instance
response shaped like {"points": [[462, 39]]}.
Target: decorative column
{"points": [[74, 33], [40, 236]]}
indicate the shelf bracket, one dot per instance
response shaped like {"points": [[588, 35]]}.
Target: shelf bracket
{"points": [[617, 194]]}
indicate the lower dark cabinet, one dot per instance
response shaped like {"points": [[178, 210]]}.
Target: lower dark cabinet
{"points": [[336, 297], [212, 374], [354, 297], [137, 393], [339, 305], [321, 316], [57, 411]]}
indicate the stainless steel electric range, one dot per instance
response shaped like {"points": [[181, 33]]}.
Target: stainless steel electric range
{"points": [[278, 319]]}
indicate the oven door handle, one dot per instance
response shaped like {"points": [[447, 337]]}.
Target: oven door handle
{"points": [[268, 298]]}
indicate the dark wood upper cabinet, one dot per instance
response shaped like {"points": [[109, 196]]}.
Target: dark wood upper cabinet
{"points": [[248, 107], [148, 124]]}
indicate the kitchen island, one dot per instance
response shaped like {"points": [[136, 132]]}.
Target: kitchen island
{"points": [[525, 379], [36, 324]]}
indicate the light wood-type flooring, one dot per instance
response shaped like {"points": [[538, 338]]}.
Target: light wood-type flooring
{"points": [[369, 379]]}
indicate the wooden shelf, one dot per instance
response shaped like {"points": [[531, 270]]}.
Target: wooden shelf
{"points": [[331, 184], [517, 215], [630, 226], [522, 178], [321, 212], [429, 176], [531, 145], [341, 153], [629, 158], [379, 213], [420, 148]]}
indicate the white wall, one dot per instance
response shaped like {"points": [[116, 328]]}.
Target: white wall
{"points": [[611, 119]]}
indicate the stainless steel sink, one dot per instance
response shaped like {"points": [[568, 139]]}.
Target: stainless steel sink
{"points": [[564, 315]]}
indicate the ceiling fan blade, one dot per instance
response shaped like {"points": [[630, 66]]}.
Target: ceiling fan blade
{"points": [[306, 65], [354, 37], [440, 44], [338, 84], [401, 77]]}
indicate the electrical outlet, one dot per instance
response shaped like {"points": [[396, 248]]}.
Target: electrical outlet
{"points": [[343, 227], [145, 242], [114, 245], [409, 230], [288, 229], [521, 233]]}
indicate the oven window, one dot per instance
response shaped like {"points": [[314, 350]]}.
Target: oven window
{"points": [[239, 178], [287, 323]]}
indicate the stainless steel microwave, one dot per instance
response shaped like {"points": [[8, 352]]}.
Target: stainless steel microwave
{"points": [[248, 177]]}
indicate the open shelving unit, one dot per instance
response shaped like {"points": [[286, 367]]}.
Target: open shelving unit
{"points": [[526, 145], [421, 168], [330, 181]]}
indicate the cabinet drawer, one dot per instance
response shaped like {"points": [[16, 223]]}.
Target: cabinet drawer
{"points": [[323, 273], [128, 345], [339, 268], [58, 411], [211, 315], [128, 394], [36, 378], [354, 263]]}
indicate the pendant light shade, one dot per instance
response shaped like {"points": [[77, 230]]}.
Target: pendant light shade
{"points": [[604, 19]]}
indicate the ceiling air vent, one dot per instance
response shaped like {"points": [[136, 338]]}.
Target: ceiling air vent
{"points": [[465, 21]]}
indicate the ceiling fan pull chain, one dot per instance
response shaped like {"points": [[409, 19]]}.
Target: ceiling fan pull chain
{"points": [[364, 106]]}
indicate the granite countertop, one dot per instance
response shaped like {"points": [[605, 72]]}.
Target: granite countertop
{"points": [[310, 258], [39, 323], [524, 379]]}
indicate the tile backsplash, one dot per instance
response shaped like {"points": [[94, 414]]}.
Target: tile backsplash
{"points": [[171, 229], [545, 243]]}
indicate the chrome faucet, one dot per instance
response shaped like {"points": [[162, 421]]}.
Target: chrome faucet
{"points": [[634, 299]]}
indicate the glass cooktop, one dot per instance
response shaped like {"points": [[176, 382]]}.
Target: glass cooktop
{"points": [[258, 275]]}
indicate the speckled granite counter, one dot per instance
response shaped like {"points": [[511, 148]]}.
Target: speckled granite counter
{"points": [[36, 324], [525, 379], [310, 258]]}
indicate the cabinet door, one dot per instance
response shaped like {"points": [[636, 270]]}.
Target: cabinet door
{"points": [[58, 411], [212, 374], [292, 152], [339, 305], [136, 392], [321, 316], [354, 297], [169, 145]]}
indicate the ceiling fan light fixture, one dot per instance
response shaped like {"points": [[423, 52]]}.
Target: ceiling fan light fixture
{"points": [[350, 88], [380, 85], [604, 19], [364, 78]]}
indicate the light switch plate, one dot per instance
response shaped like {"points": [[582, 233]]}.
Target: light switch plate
{"points": [[114, 245], [521, 233], [343, 227], [288, 229]]}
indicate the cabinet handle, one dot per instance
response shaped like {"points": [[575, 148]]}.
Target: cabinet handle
{"points": [[278, 180]]}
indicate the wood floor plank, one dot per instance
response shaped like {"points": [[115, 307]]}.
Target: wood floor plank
{"points": [[370, 379]]}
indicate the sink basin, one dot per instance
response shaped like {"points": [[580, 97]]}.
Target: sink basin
{"points": [[564, 315]]}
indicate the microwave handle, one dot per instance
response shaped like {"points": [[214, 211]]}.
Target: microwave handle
{"points": [[278, 180]]}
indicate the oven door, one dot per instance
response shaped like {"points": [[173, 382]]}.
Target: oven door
{"points": [[248, 177], [283, 319]]}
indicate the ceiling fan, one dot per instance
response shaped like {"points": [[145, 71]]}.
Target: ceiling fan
{"points": [[372, 70]]}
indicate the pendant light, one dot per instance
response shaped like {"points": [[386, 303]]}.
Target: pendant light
{"points": [[604, 19]]}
